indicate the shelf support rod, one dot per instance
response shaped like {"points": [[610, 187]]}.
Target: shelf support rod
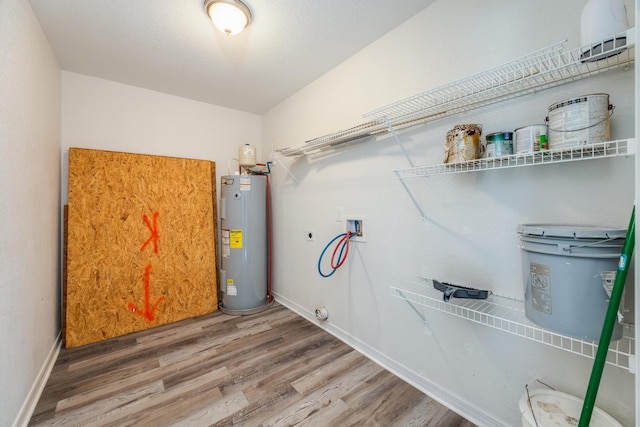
{"points": [[402, 296], [397, 139], [415, 202], [393, 132], [276, 158]]}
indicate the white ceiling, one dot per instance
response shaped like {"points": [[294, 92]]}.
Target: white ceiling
{"points": [[171, 46]]}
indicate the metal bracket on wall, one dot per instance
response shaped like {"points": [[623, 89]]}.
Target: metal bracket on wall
{"points": [[393, 132], [276, 159], [413, 307], [404, 152], [413, 199]]}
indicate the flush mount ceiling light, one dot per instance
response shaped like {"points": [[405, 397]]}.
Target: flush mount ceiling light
{"points": [[229, 16]]}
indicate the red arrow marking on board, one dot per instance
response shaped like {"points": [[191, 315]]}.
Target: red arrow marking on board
{"points": [[154, 232], [148, 310]]}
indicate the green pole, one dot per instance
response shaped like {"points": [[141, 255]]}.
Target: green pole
{"points": [[609, 323]]}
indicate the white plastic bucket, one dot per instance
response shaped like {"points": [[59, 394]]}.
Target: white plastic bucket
{"points": [[562, 269], [579, 121], [556, 409]]}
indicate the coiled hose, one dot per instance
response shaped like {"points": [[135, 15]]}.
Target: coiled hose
{"points": [[343, 246]]}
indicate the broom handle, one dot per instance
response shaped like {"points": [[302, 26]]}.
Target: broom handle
{"points": [[609, 323]]}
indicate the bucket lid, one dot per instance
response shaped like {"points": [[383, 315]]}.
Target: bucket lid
{"points": [[571, 231], [554, 408]]}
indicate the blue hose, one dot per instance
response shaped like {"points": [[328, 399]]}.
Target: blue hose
{"points": [[344, 244]]}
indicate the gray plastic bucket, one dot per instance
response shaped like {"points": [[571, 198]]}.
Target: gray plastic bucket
{"points": [[564, 268]]}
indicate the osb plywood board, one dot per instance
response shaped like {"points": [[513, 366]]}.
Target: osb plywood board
{"points": [[140, 243], [65, 233]]}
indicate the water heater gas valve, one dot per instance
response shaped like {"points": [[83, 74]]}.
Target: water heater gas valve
{"points": [[322, 313]]}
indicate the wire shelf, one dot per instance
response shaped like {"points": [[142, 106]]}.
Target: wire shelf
{"points": [[508, 315], [617, 148], [542, 69], [338, 138]]}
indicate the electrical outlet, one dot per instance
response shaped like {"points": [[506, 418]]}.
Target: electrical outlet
{"points": [[357, 226]]}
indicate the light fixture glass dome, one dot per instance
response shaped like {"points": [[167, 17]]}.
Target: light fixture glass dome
{"points": [[229, 16]]}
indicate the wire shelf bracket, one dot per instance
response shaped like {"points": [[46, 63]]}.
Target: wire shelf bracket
{"points": [[276, 158]]}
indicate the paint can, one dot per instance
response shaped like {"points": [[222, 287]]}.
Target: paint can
{"points": [[529, 139], [580, 121], [499, 144], [463, 143]]}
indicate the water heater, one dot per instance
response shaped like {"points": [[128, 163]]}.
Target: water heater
{"points": [[244, 272]]}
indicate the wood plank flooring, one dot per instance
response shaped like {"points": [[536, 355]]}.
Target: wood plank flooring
{"points": [[273, 368]]}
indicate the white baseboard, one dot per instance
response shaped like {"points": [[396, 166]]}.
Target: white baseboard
{"points": [[31, 401], [452, 402]]}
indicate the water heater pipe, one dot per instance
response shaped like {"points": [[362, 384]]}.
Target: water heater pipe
{"points": [[229, 167]]}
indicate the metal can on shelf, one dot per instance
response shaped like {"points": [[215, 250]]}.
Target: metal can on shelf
{"points": [[529, 139], [463, 143], [499, 144], [580, 121]]}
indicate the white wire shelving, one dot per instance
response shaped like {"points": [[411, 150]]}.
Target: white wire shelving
{"points": [[542, 69], [625, 147], [508, 315]]}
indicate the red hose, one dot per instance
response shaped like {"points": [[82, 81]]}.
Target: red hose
{"points": [[341, 242]]}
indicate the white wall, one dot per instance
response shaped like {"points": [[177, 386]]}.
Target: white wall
{"points": [[29, 204], [106, 115], [469, 235]]}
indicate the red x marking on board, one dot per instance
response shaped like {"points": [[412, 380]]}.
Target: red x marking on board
{"points": [[153, 229]]}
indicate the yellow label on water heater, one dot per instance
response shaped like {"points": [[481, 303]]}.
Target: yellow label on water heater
{"points": [[235, 237]]}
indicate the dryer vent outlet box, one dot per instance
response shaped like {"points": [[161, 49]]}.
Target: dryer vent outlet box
{"points": [[322, 313]]}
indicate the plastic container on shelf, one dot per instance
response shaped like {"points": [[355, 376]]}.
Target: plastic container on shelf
{"points": [[565, 272]]}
